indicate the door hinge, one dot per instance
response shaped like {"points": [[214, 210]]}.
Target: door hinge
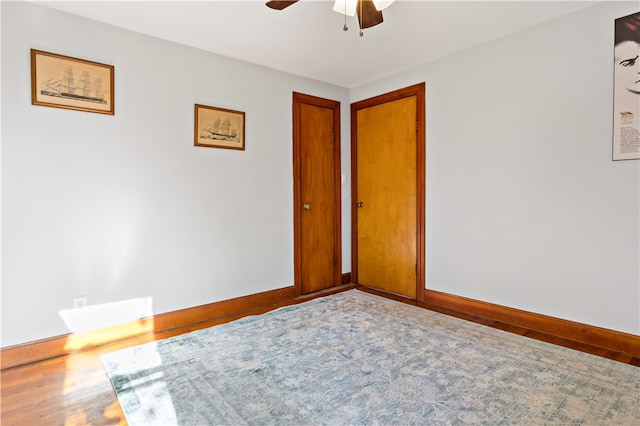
{"points": [[416, 125], [335, 260], [416, 265]]}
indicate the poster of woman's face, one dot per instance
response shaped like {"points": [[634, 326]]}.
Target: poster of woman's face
{"points": [[626, 114]]}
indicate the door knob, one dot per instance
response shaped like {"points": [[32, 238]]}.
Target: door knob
{"points": [[360, 204], [306, 206]]}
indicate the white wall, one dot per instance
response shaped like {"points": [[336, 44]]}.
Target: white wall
{"points": [[121, 207], [524, 206]]}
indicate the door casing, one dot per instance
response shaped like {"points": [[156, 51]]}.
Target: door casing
{"points": [[418, 91], [300, 251]]}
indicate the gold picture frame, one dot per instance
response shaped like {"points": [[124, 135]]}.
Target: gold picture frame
{"points": [[218, 127], [60, 81]]}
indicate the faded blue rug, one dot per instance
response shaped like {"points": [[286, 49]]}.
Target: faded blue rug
{"points": [[358, 359]]}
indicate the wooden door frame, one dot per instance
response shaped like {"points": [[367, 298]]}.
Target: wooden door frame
{"points": [[299, 99], [418, 91]]}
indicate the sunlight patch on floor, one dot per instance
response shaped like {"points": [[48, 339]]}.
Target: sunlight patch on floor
{"points": [[96, 324], [150, 381]]}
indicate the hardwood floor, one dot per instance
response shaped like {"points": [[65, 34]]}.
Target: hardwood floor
{"points": [[75, 390], [69, 390]]}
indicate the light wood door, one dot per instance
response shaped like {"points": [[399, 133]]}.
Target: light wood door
{"points": [[317, 151], [387, 204]]}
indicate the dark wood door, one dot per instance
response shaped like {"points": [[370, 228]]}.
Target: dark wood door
{"points": [[388, 188], [317, 192]]}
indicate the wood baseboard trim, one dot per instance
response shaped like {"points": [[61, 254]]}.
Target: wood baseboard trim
{"points": [[592, 335], [52, 347], [26, 353]]}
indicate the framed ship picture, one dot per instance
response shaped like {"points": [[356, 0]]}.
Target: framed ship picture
{"points": [[218, 127], [60, 81]]}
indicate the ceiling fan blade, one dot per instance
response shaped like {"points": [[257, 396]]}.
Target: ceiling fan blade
{"points": [[368, 15], [280, 4]]}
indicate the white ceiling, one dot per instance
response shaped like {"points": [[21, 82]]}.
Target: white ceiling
{"points": [[307, 39]]}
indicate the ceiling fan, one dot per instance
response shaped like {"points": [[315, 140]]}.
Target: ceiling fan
{"points": [[369, 11]]}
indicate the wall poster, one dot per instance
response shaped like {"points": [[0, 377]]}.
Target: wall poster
{"points": [[626, 94]]}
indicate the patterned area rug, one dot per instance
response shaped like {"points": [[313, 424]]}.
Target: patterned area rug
{"points": [[359, 359]]}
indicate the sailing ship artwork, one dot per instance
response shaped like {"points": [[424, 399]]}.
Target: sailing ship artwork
{"points": [[71, 83], [68, 88], [219, 127], [224, 132]]}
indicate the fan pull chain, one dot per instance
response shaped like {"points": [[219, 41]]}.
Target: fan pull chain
{"points": [[361, 15], [345, 28]]}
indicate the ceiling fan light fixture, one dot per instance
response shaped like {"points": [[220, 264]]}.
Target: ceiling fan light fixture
{"points": [[345, 7], [382, 4]]}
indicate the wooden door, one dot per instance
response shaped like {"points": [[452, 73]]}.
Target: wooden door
{"points": [[317, 232], [388, 192]]}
